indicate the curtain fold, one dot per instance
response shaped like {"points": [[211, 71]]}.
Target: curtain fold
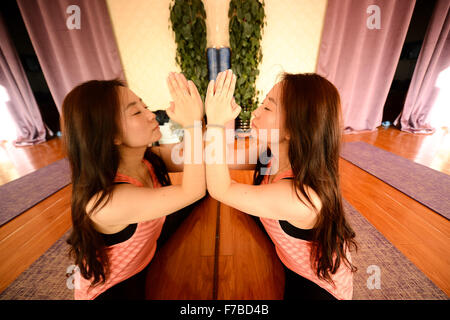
{"points": [[74, 42], [427, 102], [359, 52], [17, 97]]}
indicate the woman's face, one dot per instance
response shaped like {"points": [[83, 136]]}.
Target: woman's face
{"points": [[138, 123], [268, 116]]}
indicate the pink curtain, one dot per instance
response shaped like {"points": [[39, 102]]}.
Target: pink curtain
{"points": [[359, 52], [433, 61], [16, 95], [73, 40]]}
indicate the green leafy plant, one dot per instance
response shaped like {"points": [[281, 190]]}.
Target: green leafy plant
{"points": [[245, 115], [246, 25], [187, 18]]}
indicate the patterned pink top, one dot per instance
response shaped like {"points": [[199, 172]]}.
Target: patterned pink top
{"points": [[295, 254], [131, 256]]}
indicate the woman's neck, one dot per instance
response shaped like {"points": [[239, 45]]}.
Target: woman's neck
{"points": [[131, 161], [281, 158]]}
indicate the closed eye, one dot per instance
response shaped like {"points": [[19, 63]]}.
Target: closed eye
{"points": [[136, 113]]}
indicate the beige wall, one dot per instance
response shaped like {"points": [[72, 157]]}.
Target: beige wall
{"points": [[217, 35], [291, 39], [147, 47]]}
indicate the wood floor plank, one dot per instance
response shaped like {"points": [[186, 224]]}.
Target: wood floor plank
{"points": [[37, 216], [28, 236], [17, 258], [184, 268], [414, 229], [19, 161], [248, 265], [435, 264]]}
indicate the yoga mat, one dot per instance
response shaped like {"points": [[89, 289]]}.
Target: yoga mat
{"points": [[23, 193], [399, 278], [423, 184], [46, 278]]}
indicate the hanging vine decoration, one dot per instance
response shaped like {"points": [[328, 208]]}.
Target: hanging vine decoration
{"points": [[187, 18], [246, 25]]}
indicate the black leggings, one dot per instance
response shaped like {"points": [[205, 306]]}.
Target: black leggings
{"points": [[134, 288], [130, 289], [297, 287]]}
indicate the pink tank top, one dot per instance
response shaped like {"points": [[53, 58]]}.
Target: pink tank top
{"points": [[295, 254], [131, 256]]}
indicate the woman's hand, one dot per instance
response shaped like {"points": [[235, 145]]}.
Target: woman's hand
{"points": [[219, 103], [187, 105]]}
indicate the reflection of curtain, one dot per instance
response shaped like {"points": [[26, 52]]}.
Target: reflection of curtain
{"points": [[425, 87], [73, 45], [360, 57], [20, 101]]}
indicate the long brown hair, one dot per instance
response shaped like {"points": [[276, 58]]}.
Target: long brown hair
{"points": [[90, 121], [315, 125]]}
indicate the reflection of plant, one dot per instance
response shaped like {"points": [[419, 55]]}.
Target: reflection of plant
{"points": [[245, 115], [245, 26], [188, 23]]}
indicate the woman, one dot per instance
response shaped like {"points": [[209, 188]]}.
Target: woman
{"points": [[309, 230], [120, 185]]}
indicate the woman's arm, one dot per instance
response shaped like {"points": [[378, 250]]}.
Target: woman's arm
{"points": [[242, 158], [167, 152], [270, 201], [131, 204]]}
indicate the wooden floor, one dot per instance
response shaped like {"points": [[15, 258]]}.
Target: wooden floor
{"points": [[246, 267], [17, 162]]}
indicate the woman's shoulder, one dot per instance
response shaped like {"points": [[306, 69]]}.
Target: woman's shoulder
{"points": [[307, 221], [98, 212]]}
